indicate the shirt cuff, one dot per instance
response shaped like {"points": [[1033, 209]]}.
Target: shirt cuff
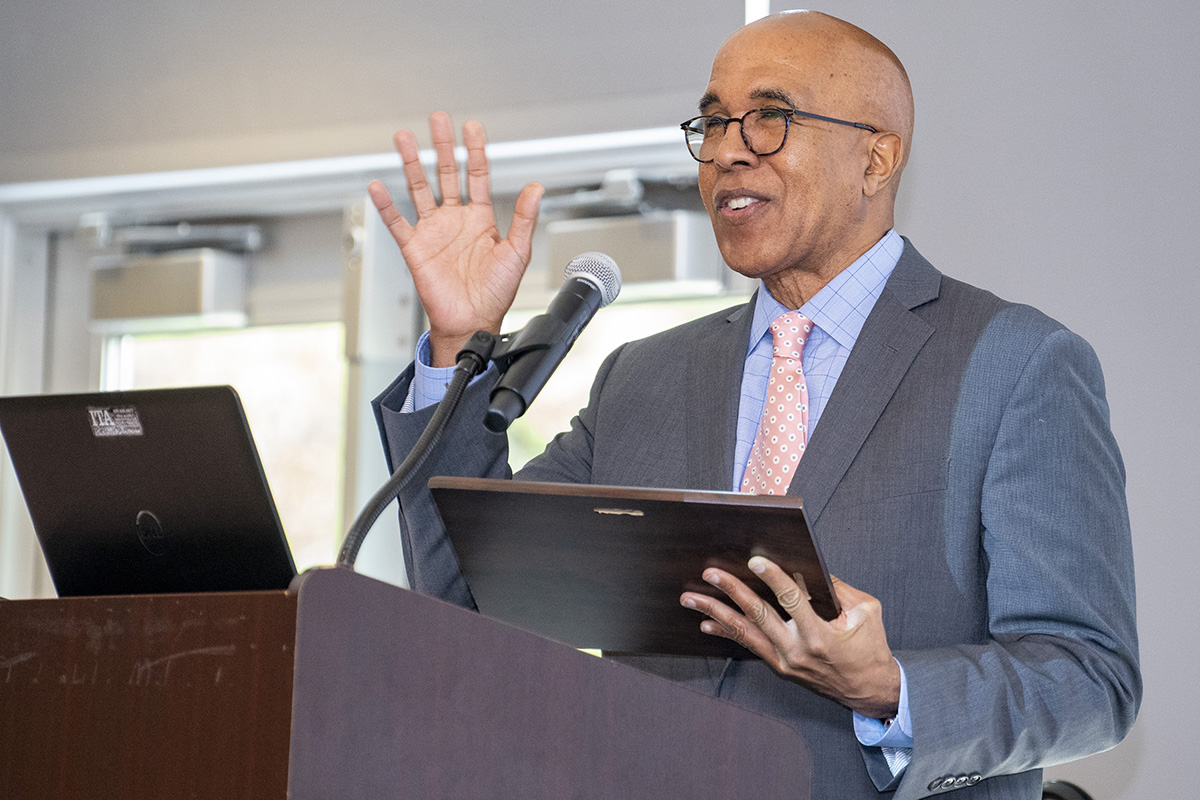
{"points": [[429, 384], [895, 733]]}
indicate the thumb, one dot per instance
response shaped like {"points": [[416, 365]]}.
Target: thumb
{"points": [[854, 616], [854, 612], [525, 216]]}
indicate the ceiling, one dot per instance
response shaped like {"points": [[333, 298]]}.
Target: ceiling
{"points": [[118, 86]]}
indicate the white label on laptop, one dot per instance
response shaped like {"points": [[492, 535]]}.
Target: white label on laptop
{"points": [[115, 421]]}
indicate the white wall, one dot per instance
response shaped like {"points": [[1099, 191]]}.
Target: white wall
{"points": [[23, 321], [1052, 164]]}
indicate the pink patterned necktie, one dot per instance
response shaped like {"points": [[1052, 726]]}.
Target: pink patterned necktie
{"points": [[783, 430]]}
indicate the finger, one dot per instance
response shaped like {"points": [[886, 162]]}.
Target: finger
{"points": [[723, 621], [857, 605], [479, 180], [396, 224], [800, 582], [525, 217], [447, 167], [847, 595], [758, 611], [793, 596], [418, 184]]}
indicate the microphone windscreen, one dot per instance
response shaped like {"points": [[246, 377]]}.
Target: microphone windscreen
{"points": [[600, 270]]}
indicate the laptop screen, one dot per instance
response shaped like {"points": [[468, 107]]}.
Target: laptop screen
{"points": [[150, 491]]}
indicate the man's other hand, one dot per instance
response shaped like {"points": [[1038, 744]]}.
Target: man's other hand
{"points": [[847, 659]]}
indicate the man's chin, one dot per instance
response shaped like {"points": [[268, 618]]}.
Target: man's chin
{"points": [[747, 268]]}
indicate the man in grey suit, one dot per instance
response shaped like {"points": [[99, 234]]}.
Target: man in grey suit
{"points": [[959, 471]]}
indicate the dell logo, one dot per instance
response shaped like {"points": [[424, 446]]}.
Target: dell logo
{"points": [[149, 531]]}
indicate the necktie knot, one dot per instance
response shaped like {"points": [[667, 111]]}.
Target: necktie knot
{"points": [[789, 332]]}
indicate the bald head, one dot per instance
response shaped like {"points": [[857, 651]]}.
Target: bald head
{"points": [[863, 80]]}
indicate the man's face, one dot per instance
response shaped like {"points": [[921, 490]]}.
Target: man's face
{"points": [[803, 207]]}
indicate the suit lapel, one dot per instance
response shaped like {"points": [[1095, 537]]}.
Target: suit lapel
{"points": [[714, 386], [890, 340]]}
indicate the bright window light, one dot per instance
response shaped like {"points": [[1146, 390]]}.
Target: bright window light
{"points": [[757, 9]]}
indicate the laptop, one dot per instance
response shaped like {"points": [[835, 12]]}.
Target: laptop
{"points": [[146, 492], [602, 567]]}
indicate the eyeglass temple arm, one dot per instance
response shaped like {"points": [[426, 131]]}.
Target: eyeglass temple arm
{"points": [[862, 125]]}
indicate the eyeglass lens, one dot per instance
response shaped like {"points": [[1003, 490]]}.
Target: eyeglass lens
{"points": [[763, 132]]}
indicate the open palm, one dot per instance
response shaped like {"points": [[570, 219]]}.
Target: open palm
{"points": [[465, 273]]}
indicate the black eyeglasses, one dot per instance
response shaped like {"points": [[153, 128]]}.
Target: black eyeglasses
{"points": [[764, 131]]}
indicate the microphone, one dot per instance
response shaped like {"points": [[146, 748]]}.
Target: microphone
{"points": [[591, 281]]}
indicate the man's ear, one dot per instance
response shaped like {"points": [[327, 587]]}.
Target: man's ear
{"points": [[884, 163]]}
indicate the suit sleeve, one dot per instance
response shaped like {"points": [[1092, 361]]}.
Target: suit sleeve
{"points": [[465, 449], [1057, 678]]}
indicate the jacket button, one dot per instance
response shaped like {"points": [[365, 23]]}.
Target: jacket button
{"points": [[935, 784], [960, 781], [974, 779]]}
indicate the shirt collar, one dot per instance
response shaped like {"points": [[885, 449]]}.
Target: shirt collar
{"points": [[841, 307]]}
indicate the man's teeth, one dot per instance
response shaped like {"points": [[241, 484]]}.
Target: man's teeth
{"points": [[741, 202]]}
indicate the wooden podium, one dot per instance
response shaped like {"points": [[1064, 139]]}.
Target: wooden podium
{"points": [[344, 688]]}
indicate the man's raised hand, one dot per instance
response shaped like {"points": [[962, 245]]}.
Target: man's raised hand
{"points": [[465, 273]]}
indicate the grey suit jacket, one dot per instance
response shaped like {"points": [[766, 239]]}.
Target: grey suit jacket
{"points": [[963, 472]]}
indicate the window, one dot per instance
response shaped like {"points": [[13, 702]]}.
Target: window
{"points": [[291, 379], [567, 390]]}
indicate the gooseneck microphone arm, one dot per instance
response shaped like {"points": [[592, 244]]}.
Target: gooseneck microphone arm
{"points": [[472, 360]]}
